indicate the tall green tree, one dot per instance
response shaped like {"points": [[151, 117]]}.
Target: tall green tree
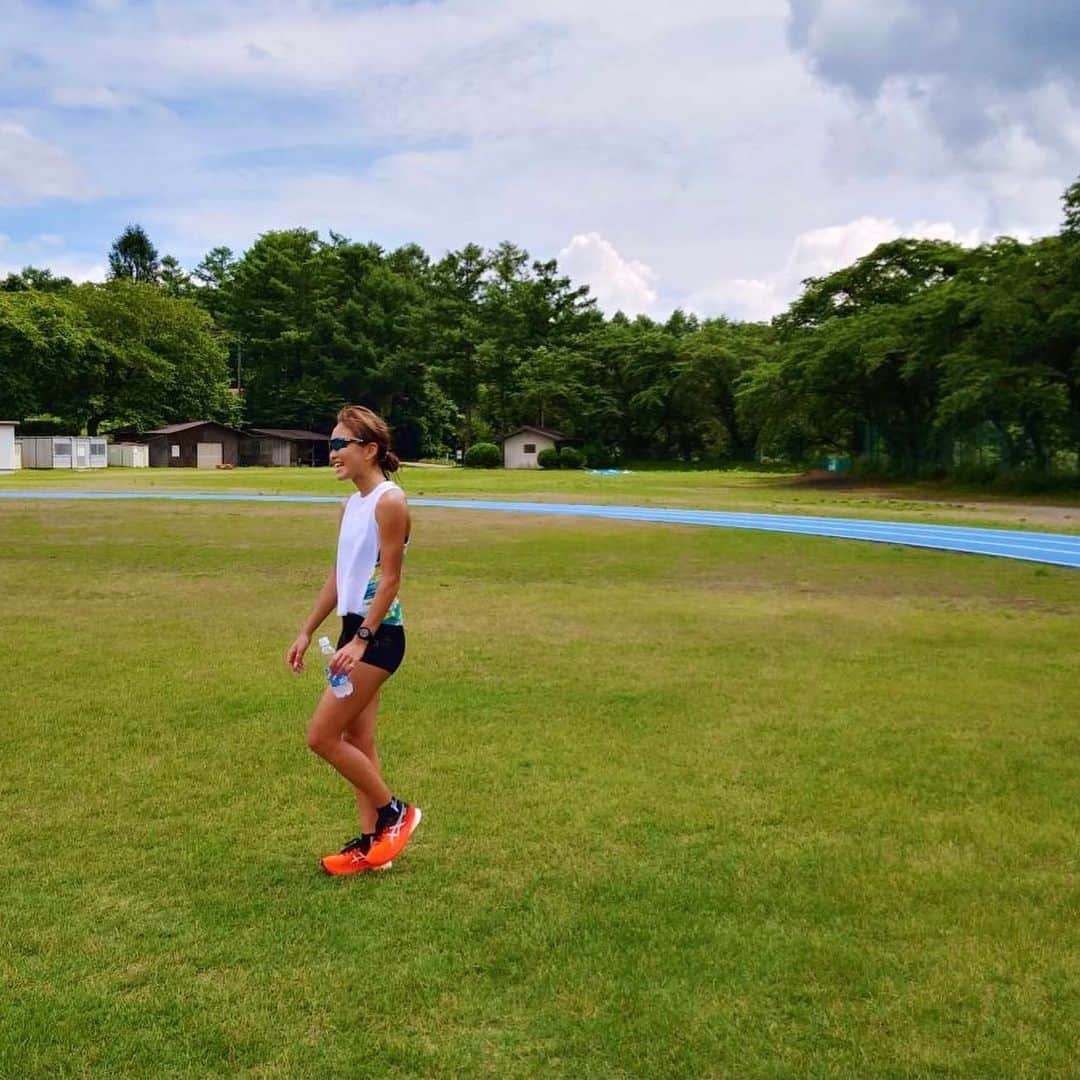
{"points": [[1071, 202], [211, 279], [395, 296], [165, 363], [714, 360], [849, 357], [174, 280], [502, 350], [274, 297], [892, 273], [50, 360], [1011, 350], [133, 257], [451, 331], [523, 307]]}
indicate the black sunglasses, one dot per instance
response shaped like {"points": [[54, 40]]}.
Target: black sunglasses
{"points": [[340, 444]]}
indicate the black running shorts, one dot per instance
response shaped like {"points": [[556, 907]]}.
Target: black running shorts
{"points": [[385, 650]]}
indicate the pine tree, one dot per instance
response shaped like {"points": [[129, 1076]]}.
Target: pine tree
{"points": [[133, 257]]}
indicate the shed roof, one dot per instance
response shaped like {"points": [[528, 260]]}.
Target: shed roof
{"points": [[537, 430], [290, 434], [175, 429]]}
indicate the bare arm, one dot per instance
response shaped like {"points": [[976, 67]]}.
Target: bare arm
{"points": [[324, 604]]}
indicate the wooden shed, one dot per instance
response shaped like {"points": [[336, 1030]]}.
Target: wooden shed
{"points": [[284, 446], [201, 444]]}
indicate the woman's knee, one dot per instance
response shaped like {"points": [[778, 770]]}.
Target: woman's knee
{"points": [[364, 743], [320, 741]]}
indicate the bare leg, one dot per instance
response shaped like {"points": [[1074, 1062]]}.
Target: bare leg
{"points": [[361, 733], [327, 726]]}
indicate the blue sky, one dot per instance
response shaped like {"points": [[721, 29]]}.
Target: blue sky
{"points": [[678, 154]]}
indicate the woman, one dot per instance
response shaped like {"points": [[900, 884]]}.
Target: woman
{"points": [[372, 537]]}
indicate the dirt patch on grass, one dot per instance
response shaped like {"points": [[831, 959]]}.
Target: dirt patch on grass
{"points": [[1057, 513], [822, 478], [1022, 513]]}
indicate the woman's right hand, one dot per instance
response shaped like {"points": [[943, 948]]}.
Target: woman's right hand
{"points": [[295, 657]]}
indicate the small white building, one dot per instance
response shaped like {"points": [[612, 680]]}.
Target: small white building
{"points": [[128, 455], [64, 452], [46, 451], [10, 451], [98, 449], [521, 447]]}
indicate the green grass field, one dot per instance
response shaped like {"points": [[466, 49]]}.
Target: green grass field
{"points": [[697, 803], [734, 489]]}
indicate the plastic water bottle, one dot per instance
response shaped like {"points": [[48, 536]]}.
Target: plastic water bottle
{"points": [[338, 683]]}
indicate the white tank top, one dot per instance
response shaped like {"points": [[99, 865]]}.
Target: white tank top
{"points": [[358, 549]]}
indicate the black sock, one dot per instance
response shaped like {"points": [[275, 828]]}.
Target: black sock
{"points": [[388, 814]]}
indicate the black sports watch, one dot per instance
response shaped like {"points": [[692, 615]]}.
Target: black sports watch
{"points": [[365, 635]]}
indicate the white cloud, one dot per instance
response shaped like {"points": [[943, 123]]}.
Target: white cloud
{"points": [[820, 251], [47, 251], [78, 268], [743, 299], [618, 284], [682, 146], [814, 254], [90, 97], [32, 170]]}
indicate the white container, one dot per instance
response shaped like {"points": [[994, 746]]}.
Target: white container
{"points": [[129, 455], [9, 447], [48, 451]]}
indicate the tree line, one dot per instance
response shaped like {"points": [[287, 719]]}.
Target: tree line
{"points": [[923, 356]]}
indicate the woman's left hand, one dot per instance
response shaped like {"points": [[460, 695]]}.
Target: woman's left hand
{"points": [[347, 657]]}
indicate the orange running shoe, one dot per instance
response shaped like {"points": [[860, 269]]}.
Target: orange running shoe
{"points": [[391, 841], [350, 860]]}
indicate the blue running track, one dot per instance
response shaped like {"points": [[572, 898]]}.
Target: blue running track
{"points": [[1059, 549]]}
